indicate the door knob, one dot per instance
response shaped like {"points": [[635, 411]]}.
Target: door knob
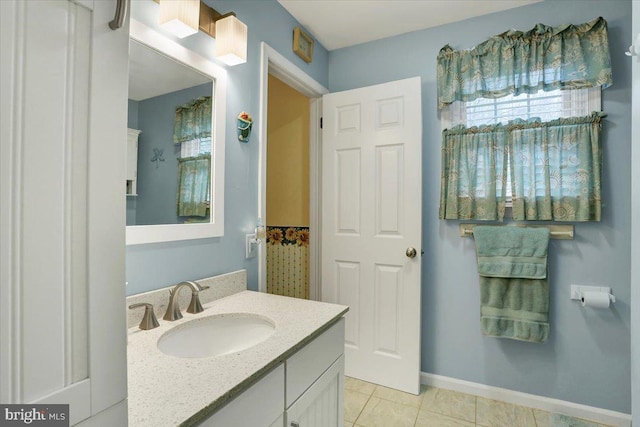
{"points": [[411, 252]]}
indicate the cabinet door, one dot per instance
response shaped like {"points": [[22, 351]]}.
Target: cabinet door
{"points": [[322, 404], [63, 79], [261, 405]]}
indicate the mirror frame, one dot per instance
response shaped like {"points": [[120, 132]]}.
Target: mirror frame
{"points": [[141, 234]]}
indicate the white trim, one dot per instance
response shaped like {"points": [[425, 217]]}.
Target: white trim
{"points": [[115, 415], [548, 404], [315, 188], [106, 333], [273, 62], [12, 41], [79, 394], [141, 234]]}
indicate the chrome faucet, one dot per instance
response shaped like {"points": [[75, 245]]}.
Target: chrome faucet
{"points": [[173, 308]]}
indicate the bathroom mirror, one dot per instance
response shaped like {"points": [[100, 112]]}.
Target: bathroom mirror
{"points": [[177, 110]]}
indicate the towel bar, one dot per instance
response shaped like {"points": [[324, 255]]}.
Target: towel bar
{"points": [[564, 232]]}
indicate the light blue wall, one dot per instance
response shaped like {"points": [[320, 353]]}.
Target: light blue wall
{"points": [[586, 359], [159, 265], [157, 186]]}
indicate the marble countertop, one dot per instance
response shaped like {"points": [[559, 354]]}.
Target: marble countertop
{"points": [[170, 391]]}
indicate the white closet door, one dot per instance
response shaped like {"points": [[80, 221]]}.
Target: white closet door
{"points": [[62, 165]]}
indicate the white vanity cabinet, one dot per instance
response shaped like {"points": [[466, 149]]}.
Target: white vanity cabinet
{"points": [[315, 382], [307, 390], [132, 162]]}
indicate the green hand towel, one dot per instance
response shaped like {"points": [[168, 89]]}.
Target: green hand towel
{"points": [[515, 308], [514, 292], [512, 251]]}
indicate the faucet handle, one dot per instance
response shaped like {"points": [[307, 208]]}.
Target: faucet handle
{"points": [[201, 287], [195, 306], [149, 320]]}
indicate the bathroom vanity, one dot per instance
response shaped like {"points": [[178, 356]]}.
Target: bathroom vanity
{"points": [[293, 377]]}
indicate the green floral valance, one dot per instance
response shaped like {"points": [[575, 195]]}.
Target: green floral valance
{"points": [[192, 120], [515, 62], [553, 168]]}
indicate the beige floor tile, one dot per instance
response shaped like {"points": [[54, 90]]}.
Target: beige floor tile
{"points": [[431, 419], [347, 424], [492, 413], [353, 404], [399, 396], [384, 413], [547, 419], [450, 403], [358, 385]]}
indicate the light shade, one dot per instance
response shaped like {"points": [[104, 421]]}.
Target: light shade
{"points": [[231, 41], [180, 17]]}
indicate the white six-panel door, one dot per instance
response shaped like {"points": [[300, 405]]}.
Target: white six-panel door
{"points": [[371, 217]]}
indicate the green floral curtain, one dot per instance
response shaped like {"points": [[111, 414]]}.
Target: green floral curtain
{"points": [[193, 120], [514, 62], [474, 172], [194, 185], [555, 170]]}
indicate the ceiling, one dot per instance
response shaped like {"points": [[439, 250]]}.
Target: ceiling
{"points": [[153, 74], [342, 23]]}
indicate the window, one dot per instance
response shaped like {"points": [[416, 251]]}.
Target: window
{"points": [[545, 105], [195, 147]]}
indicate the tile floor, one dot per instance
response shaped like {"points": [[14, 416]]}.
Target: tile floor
{"points": [[370, 405]]}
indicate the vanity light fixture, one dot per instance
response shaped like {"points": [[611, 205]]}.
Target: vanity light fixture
{"points": [[231, 41], [178, 17]]}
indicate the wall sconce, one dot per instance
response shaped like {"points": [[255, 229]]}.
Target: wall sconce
{"points": [[179, 16], [231, 44]]}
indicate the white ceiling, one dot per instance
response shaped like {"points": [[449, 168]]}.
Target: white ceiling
{"points": [[341, 23], [153, 74]]}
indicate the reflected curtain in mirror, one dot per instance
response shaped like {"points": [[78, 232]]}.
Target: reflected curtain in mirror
{"points": [[192, 129], [194, 186], [193, 120]]}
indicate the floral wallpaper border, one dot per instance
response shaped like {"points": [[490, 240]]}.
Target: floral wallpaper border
{"points": [[279, 235]]}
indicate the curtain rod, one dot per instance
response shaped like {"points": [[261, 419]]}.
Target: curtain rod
{"points": [[564, 232]]}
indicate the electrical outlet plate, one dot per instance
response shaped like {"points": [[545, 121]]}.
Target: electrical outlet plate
{"points": [[577, 290], [251, 247]]}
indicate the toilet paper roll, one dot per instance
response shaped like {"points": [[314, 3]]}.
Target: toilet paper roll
{"points": [[595, 299]]}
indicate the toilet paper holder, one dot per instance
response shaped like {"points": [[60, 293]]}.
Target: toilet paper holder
{"points": [[578, 290]]}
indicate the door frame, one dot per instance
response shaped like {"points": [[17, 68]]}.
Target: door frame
{"points": [[272, 62]]}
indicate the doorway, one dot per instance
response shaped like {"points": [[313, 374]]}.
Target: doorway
{"points": [[287, 219], [277, 66]]}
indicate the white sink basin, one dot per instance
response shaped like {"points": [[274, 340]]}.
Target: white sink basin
{"points": [[216, 335]]}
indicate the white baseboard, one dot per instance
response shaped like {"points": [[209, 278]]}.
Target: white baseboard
{"points": [[603, 416]]}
